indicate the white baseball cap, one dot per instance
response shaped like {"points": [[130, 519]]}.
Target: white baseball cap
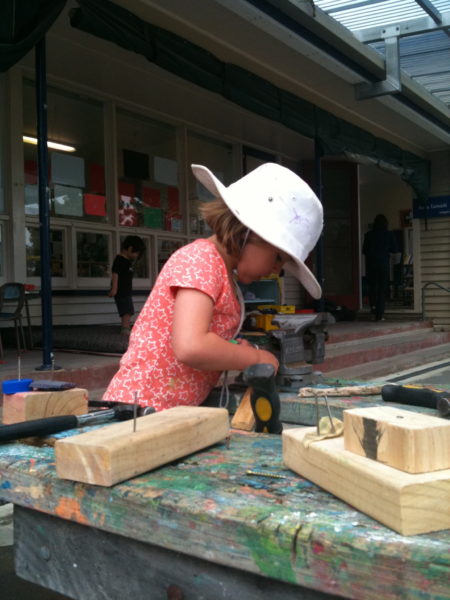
{"points": [[280, 207]]}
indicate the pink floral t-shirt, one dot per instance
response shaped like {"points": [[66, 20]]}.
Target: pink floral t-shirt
{"points": [[149, 366]]}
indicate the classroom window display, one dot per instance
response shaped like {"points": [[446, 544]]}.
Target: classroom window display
{"points": [[76, 172], [165, 249], [148, 185], [33, 252], [93, 256], [219, 158]]}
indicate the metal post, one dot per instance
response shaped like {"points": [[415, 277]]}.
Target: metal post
{"points": [[44, 213], [319, 247]]}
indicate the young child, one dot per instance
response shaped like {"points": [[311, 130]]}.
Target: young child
{"points": [[122, 279], [268, 220]]}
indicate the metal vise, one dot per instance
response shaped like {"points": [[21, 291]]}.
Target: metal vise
{"points": [[300, 340]]}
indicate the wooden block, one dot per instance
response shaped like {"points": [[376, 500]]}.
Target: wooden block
{"points": [[114, 453], [25, 406], [403, 439], [349, 390], [408, 503], [244, 418]]}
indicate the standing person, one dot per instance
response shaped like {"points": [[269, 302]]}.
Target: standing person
{"points": [[378, 245], [122, 279], [268, 220]]}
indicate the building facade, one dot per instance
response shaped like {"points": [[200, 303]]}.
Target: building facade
{"points": [[133, 127]]}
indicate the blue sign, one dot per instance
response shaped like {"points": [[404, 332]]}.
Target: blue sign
{"points": [[438, 206]]}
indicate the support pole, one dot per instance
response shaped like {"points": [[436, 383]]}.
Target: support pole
{"points": [[44, 212], [319, 247]]}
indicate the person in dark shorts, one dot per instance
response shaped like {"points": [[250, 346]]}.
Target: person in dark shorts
{"points": [[379, 244], [122, 279]]}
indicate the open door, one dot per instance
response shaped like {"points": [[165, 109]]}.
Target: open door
{"points": [[340, 234]]}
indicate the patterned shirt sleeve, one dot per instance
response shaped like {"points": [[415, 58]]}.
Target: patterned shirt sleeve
{"points": [[199, 267]]}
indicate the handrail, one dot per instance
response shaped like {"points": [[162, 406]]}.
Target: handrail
{"points": [[424, 287]]}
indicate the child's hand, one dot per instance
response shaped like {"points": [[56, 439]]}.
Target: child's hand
{"points": [[267, 357], [111, 293]]}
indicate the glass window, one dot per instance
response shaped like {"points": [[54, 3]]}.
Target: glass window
{"points": [[165, 249], [218, 157], [76, 169], [33, 252], [140, 267], [92, 254], [148, 188]]}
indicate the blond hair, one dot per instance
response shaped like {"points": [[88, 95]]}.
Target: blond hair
{"points": [[230, 232]]}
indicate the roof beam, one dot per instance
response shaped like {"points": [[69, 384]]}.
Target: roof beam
{"points": [[431, 10], [411, 27], [392, 83]]}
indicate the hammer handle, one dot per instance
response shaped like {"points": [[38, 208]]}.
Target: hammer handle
{"points": [[37, 427], [412, 396]]}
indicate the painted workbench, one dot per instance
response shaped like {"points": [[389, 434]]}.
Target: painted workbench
{"points": [[204, 527]]}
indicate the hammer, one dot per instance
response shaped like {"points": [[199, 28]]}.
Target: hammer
{"points": [[418, 396], [48, 425], [264, 398]]}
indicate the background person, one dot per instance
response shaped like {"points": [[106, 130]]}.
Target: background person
{"points": [[122, 279], [379, 244]]}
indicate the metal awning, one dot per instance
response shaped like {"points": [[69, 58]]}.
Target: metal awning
{"points": [[413, 35]]}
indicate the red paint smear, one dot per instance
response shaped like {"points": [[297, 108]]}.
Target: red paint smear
{"points": [[69, 508], [318, 548]]}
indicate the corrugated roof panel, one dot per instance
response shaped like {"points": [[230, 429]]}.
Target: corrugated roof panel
{"points": [[421, 55]]}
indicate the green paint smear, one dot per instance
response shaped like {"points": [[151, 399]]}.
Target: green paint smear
{"points": [[271, 559]]}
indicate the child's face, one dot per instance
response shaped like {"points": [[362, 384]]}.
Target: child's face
{"points": [[131, 254], [259, 259]]}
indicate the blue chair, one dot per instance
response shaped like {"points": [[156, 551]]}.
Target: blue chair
{"points": [[12, 300]]}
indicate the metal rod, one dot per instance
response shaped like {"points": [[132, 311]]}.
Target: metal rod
{"points": [[135, 411], [329, 414]]}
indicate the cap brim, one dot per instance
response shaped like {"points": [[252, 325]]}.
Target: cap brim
{"points": [[296, 267]]}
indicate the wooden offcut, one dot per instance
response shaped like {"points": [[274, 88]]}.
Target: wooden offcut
{"points": [[345, 390], [408, 503], [25, 406], [412, 442], [243, 418], [115, 452]]}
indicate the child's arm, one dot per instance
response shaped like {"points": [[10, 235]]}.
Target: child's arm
{"points": [[114, 281], [196, 346]]}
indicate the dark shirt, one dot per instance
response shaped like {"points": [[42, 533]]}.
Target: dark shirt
{"points": [[124, 269], [377, 247]]}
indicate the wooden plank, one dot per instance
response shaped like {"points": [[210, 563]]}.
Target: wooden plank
{"points": [[85, 562], [244, 418], [402, 439], [116, 452], [408, 503], [25, 406], [345, 390]]}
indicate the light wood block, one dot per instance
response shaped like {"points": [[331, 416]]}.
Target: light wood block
{"points": [[243, 418], [25, 406], [115, 452], [408, 503], [403, 439]]}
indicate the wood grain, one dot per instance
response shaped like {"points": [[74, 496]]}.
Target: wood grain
{"points": [[244, 418], [115, 452], [407, 503], [25, 406], [402, 439], [347, 390]]}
